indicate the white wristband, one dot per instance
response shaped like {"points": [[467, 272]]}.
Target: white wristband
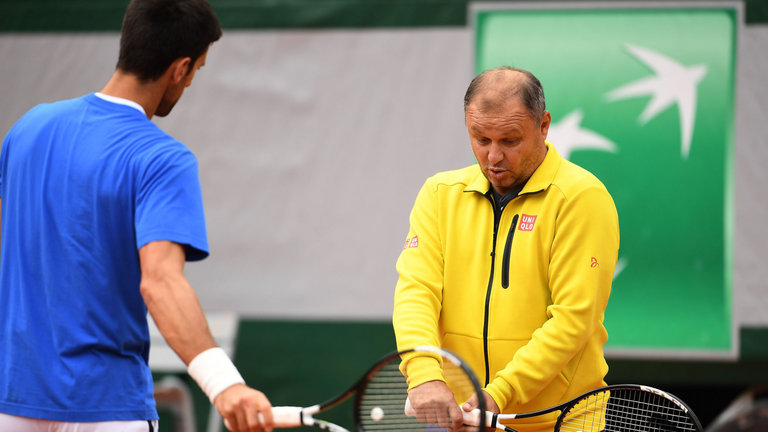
{"points": [[214, 372]]}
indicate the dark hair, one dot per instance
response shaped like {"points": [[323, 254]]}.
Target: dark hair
{"points": [[155, 33], [530, 90]]}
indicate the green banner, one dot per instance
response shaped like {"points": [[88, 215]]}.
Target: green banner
{"points": [[644, 98]]}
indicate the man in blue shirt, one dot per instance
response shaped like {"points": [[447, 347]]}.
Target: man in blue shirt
{"points": [[100, 211]]}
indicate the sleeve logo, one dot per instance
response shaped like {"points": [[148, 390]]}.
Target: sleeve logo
{"points": [[411, 242]]}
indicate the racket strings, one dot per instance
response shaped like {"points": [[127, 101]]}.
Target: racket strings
{"points": [[627, 410], [381, 405]]}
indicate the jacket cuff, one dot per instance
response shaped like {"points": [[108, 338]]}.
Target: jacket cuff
{"points": [[501, 392], [422, 369]]}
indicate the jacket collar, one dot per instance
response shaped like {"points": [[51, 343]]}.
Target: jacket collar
{"points": [[539, 181]]}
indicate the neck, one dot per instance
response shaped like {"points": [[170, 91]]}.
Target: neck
{"points": [[128, 86]]}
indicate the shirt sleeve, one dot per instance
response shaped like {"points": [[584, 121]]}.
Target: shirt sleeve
{"points": [[170, 205], [418, 294]]}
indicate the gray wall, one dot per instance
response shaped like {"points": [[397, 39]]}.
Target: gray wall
{"points": [[313, 144]]}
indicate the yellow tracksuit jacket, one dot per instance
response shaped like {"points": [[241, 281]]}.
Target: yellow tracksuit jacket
{"points": [[523, 303]]}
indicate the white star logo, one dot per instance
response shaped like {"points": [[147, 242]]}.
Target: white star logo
{"points": [[673, 83], [567, 135]]}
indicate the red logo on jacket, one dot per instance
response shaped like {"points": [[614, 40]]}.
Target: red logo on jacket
{"points": [[526, 222], [411, 242]]}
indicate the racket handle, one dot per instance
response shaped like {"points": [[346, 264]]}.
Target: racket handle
{"points": [[471, 418], [408, 410], [288, 416]]}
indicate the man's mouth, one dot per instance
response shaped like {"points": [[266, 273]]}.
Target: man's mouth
{"points": [[496, 172]]}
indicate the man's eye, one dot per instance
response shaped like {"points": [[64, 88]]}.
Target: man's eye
{"points": [[481, 140]]}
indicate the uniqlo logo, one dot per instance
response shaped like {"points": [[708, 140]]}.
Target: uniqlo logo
{"points": [[411, 242], [526, 222]]}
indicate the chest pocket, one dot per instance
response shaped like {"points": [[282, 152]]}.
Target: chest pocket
{"points": [[505, 262]]}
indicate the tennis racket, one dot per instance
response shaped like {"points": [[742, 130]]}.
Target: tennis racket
{"points": [[615, 408], [380, 397]]}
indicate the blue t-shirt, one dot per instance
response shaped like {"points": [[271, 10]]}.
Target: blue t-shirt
{"points": [[84, 184]]}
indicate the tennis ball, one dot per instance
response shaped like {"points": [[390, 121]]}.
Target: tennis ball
{"points": [[377, 413]]}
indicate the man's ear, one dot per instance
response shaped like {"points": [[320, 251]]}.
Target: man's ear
{"points": [[546, 119], [179, 69]]}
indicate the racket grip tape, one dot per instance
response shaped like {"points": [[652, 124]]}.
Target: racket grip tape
{"points": [[289, 417]]}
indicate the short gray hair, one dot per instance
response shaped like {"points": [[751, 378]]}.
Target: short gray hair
{"points": [[530, 91]]}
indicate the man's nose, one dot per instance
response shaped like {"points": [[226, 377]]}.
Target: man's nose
{"points": [[495, 155]]}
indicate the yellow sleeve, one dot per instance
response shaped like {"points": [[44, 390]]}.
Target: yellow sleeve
{"points": [[418, 294]]}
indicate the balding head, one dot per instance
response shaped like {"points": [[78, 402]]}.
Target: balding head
{"points": [[492, 88]]}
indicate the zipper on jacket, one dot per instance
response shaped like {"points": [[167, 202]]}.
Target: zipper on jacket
{"points": [[496, 222], [507, 253]]}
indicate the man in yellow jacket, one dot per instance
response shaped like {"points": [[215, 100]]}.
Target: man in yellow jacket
{"points": [[508, 263]]}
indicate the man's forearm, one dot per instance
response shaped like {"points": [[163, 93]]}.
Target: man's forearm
{"points": [[172, 302], [180, 319]]}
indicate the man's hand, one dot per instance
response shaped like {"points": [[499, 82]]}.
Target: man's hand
{"points": [[434, 404], [473, 403], [244, 409], [490, 404]]}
